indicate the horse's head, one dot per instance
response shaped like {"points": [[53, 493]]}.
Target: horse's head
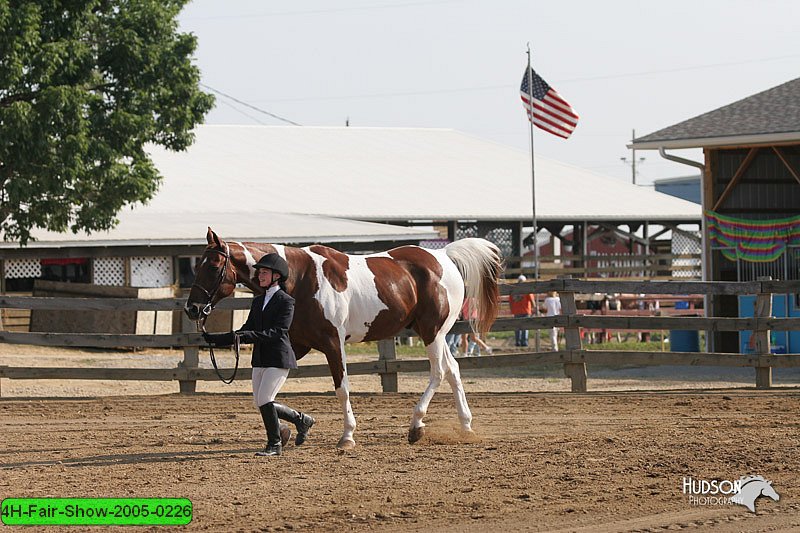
{"points": [[214, 278], [769, 491]]}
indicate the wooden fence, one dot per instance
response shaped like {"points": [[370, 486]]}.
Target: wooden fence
{"points": [[625, 266], [573, 358]]}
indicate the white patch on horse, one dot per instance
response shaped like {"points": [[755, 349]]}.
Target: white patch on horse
{"points": [[280, 250], [452, 283], [358, 305], [248, 257]]}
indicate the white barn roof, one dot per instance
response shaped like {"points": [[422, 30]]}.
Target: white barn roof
{"points": [[324, 184], [144, 226], [390, 174]]}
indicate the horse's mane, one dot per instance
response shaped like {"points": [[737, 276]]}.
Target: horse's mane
{"points": [[749, 479]]}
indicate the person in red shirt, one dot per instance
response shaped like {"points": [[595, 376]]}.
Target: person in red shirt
{"points": [[521, 307]]}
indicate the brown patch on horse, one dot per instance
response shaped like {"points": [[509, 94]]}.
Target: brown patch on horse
{"points": [[430, 312], [335, 266], [309, 327], [398, 291]]}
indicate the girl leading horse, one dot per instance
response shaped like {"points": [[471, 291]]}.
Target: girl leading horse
{"points": [[342, 299]]}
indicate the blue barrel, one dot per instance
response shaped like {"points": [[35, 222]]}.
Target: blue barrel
{"points": [[684, 340]]}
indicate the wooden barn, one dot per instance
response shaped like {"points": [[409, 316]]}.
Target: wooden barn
{"points": [[750, 194]]}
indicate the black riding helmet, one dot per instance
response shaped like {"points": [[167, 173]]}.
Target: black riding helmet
{"points": [[275, 263]]}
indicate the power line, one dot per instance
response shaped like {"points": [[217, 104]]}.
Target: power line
{"points": [[382, 95], [325, 11], [248, 115], [506, 86], [679, 69], [273, 115]]}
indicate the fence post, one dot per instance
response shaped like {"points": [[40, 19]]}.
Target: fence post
{"points": [[763, 309], [572, 338], [191, 357], [387, 351]]}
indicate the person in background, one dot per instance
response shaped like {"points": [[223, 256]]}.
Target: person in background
{"points": [[521, 307], [552, 307], [452, 340], [472, 342]]}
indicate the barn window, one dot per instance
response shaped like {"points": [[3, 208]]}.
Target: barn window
{"points": [[71, 269]]}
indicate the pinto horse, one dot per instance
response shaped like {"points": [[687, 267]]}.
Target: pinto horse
{"points": [[342, 298]]}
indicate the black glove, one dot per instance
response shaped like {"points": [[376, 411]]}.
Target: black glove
{"points": [[218, 339]]}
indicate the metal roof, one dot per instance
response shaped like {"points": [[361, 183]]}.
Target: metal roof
{"points": [[389, 174], [145, 226], [318, 184], [771, 116]]}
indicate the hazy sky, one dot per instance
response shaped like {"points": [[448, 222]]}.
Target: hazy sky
{"points": [[458, 64]]}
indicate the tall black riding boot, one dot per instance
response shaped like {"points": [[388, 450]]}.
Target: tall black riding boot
{"points": [[301, 421], [270, 417]]}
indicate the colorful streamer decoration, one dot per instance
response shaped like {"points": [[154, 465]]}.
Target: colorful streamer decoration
{"points": [[752, 240]]}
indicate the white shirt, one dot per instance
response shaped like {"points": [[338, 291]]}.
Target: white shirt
{"points": [[268, 295], [553, 305]]}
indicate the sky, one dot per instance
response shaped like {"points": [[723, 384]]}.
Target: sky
{"points": [[457, 64]]}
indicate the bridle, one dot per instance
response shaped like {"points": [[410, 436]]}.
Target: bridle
{"points": [[212, 294], [200, 323]]}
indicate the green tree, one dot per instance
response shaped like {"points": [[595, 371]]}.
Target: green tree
{"points": [[84, 86]]}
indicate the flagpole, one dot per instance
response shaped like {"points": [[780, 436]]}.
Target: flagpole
{"points": [[533, 198]]}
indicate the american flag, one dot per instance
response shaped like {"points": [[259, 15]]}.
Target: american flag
{"points": [[550, 112]]}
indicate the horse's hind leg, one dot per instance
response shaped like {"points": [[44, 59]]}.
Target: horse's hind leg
{"points": [[439, 369], [416, 431], [453, 376]]}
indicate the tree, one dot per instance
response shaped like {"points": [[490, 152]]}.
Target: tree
{"points": [[84, 86]]}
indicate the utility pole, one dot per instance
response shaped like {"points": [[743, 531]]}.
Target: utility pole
{"points": [[633, 158]]}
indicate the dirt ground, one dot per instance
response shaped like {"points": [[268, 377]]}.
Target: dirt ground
{"points": [[539, 461], [542, 459]]}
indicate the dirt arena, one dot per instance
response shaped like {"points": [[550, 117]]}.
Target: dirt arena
{"points": [[552, 461]]}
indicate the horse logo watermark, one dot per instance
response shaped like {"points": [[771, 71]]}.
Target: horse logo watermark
{"points": [[750, 488], [743, 491]]}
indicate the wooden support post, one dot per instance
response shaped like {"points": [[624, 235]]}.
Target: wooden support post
{"points": [[763, 309], [191, 357], [572, 337], [2, 288], [388, 352]]}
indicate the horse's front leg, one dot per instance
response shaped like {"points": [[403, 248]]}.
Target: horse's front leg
{"points": [[337, 361]]}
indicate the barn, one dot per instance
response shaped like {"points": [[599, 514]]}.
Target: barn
{"points": [[357, 189], [750, 193]]}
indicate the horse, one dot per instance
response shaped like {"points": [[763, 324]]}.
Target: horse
{"points": [[751, 487], [341, 299]]}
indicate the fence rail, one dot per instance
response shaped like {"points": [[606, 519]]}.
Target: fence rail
{"points": [[619, 266], [574, 357]]}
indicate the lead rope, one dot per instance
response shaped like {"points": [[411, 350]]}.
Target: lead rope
{"points": [[236, 345]]}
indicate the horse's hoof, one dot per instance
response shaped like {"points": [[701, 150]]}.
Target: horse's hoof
{"points": [[469, 435], [346, 444], [414, 434]]}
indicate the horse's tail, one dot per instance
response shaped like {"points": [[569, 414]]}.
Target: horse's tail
{"points": [[480, 264]]}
